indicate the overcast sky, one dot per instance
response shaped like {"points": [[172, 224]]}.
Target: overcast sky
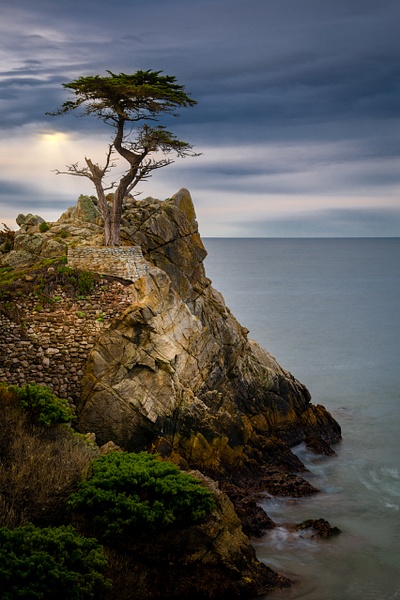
{"points": [[297, 117]]}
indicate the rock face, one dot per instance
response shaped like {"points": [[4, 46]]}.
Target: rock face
{"points": [[176, 372]]}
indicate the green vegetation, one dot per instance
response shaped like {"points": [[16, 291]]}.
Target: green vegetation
{"points": [[9, 275], [43, 281], [129, 493], [44, 407], [43, 227], [56, 491], [49, 563], [83, 281]]}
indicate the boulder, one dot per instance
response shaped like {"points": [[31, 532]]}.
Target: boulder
{"points": [[17, 259], [52, 248], [319, 528], [32, 242], [28, 220]]}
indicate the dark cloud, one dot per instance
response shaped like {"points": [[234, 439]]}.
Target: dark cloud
{"points": [[35, 203], [10, 188], [264, 72]]}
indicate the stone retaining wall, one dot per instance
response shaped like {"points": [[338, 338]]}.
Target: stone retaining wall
{"points": [[124, 262], [50, 345]]}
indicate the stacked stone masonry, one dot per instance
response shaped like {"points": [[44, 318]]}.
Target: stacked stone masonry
{"points": [[49, 345], [124, 262]]}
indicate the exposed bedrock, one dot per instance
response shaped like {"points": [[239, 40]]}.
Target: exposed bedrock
{"points": [[176, 372]]}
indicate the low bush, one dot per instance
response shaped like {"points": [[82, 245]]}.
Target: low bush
{"points": [[130, 493], [44, 407], [49, 563], [43, 227]]}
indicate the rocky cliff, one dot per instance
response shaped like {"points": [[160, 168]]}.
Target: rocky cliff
{"points": [[173, 371], [176, 372]]}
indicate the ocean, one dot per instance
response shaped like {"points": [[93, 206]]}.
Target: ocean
{"points": [[329, 311]]}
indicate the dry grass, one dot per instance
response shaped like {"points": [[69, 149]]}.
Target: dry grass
{"points": [[39, 467]]}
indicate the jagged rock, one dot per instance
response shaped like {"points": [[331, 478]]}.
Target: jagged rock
{"points": [[32, 242], [175, 373], [110, 447], [255, 521], [318, 445], [87, 211], [53, 248], [176, 368], [38, 245], [168, 235], [281, 484]]}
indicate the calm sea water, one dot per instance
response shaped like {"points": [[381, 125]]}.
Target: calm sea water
{"points": [[329, 311]]}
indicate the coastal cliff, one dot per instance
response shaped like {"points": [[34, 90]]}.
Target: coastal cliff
{"points": [[177, 372], [162, 365]]}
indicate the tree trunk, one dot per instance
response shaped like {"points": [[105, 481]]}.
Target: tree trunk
{"points": [[116, 215], [97, 175], [108, 239]]}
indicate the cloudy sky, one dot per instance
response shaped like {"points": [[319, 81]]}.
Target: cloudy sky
{"points": [[297, 117]]}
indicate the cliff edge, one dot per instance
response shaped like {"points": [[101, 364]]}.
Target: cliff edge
{"points": [[161, 364]]}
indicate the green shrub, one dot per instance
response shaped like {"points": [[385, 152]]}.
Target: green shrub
{"points": [[44, 407], [43, 227], [129, 493], [49, 563]]}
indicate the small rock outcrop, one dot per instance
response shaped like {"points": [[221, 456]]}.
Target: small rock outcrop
{"points": [[319, 528]]}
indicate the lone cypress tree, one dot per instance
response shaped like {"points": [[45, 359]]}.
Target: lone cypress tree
{"points": [[128, 103]]}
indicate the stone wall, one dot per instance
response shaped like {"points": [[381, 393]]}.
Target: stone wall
{"points": [[124, 262], [49, 344]]}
